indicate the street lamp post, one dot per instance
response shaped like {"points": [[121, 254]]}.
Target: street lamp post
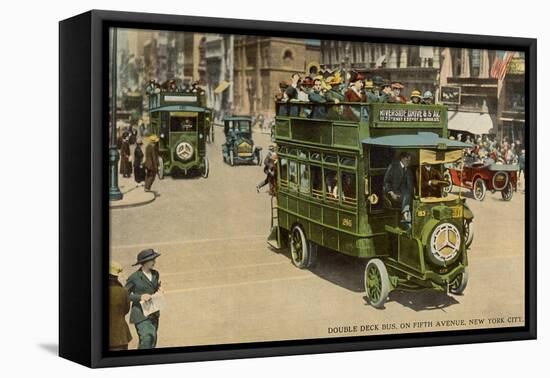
{"points": [[114, 192]]}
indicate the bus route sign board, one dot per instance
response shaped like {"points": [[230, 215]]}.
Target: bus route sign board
{"points": [[409, 115]]}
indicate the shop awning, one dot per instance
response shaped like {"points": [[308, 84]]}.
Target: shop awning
{"points": [[475, 123]]}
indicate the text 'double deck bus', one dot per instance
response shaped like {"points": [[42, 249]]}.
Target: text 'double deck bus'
{"points": [[332, 191]]}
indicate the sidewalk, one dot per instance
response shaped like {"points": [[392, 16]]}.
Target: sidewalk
{"points": [[132, 195]]}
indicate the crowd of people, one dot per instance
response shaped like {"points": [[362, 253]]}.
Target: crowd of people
{"points": [[488, 150], [142, 164], [330, 87]]}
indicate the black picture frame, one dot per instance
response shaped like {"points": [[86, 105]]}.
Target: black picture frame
{"points": [[84, 202]]}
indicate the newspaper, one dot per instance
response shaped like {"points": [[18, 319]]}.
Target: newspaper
{"points": [[156, 303]]}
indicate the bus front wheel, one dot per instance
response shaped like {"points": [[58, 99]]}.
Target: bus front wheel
{"points": [[302, 251], [161, 168], [377, 283]]}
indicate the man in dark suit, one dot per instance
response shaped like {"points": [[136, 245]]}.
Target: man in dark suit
{"points": [[399, 185], [141, 285], [151, 162]]}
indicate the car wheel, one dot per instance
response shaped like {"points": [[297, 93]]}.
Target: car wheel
{"points": [[231, 158], [508, 192], [206, 169], [468, 232], [302, 251], [160, 172], [479, 189], [259, 157], [459, 283], [447, 177], [377, 283]]}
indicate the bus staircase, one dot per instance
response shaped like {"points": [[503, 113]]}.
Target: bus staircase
{"points": [[274, 238]]}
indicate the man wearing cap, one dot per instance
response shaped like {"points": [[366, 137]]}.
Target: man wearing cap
{"points": [[151, 162], [141, 285], [119, 305], [316, 96]]}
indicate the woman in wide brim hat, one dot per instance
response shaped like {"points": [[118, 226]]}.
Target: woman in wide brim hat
{"points": [[146, 255], [141, 286]]}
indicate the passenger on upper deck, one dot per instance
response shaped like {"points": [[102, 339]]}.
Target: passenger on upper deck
{"points": [[304, 89], [375, 94], [416, 97], [292, 90], [397, 97], [316, 96], [355, 92], [428, 98], [334, 94]]}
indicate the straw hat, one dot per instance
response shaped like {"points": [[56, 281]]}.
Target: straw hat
{"points": [[115, 268]]}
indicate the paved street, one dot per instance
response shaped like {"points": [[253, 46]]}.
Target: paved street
{"points": [[224, 285]]}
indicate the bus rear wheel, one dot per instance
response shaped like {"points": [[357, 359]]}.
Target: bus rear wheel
{"points": [[377, 283], [206, 168], [302, 252]]}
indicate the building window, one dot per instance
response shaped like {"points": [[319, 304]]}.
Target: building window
{"points": [[288, 56]]}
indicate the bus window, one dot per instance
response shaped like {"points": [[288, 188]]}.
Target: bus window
{"points": [[292, 175], [380, 157], [178, 124], [315, 156], [316, 181], [331, 159], [348, 161], [284, 173], [349, 191], [331, 184], [304, 178]]}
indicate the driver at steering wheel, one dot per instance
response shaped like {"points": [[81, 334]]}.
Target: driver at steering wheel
{"points": [[431, 181]]}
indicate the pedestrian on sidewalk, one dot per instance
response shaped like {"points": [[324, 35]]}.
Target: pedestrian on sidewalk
{"points": [[125, 166], [119, 305], [151, 162], [139, 169], [141, 285]]}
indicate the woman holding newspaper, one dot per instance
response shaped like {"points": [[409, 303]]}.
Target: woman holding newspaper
{"points": [[147, 298]]}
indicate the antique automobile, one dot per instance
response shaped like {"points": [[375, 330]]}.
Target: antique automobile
{"points": [[239, 147], [330, 194], [180, 119], [480, 176]]}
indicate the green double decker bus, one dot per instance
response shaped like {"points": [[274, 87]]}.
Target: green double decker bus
{"points": [[332, 163], [182, 122]]}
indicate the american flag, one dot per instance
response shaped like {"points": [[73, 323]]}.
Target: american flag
{"points": [[500, 66]]}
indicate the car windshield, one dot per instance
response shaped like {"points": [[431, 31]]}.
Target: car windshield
{"points": [[242, 126]]}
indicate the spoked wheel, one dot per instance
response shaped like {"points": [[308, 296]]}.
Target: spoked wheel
{"points": [[302, 252], [508, 192], [468, 232], [479, 189], [447, 177], [377, 283], [459, 283], [206, 168], [212, 133], [231, 158], [160, 172]]}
